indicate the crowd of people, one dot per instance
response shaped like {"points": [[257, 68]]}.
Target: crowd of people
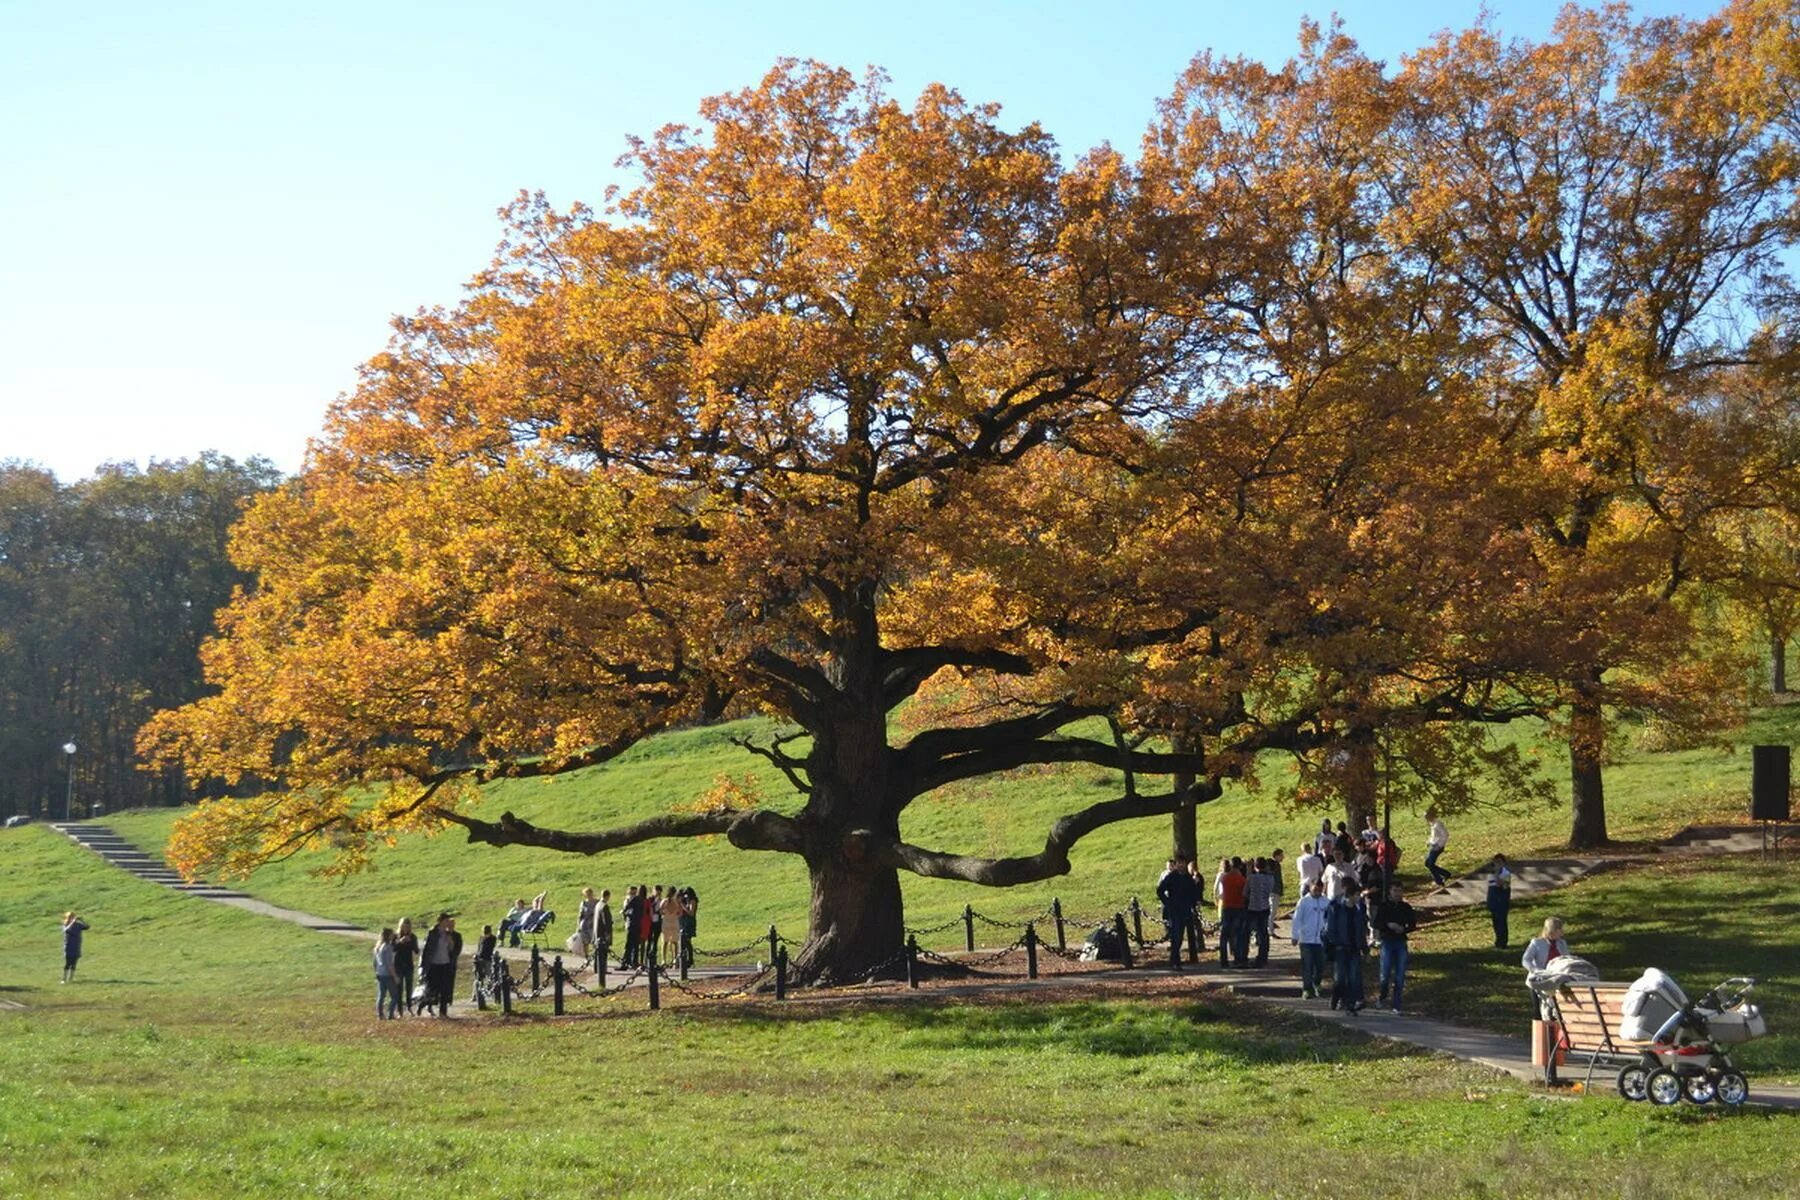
{"points": [[1348, 906], [659, 924]]}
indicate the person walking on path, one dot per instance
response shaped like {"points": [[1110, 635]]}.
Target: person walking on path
{"points": [[1276, 888], [1307, 931], [487, 958], [1348, 933], [1394, 919], [1499, 900], [1229, 888], [1435, 840], [1259, 897], [387, 988], [443, 946], [406, 961], [1311, 865], [73, 928], [1178, 895]]}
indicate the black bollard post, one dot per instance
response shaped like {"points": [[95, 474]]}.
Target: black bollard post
{"points": [[1124, 938], [1196, 947], [650, 966], [1056, 911], [781, 972], [912, 961], [536, 984], [556, 979], [1030, 951], [600, 966], [482, 984], [969, 926], [505, 985], [1137, 920], [681, 954], [774, 943]]}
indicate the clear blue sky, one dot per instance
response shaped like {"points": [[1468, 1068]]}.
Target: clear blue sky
{"points": [[208, 212]]}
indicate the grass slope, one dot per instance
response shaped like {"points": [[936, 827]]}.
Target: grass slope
{"points": [[205, 1052], [1702, 920], [1649, 796]]}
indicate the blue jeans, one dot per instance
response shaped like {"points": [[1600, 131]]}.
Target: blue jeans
{"points": [[1347, 981], [1393, 968], [1312, 966], [387, 996], [1438, 874]]}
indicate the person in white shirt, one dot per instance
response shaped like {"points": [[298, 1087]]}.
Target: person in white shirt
{"points": [[1308, 933], [1311, 865], [1325, 839], [1340, 881], [1435, 841]]}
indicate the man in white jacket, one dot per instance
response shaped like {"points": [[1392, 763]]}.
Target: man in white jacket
{"points": [[1308, 933]]}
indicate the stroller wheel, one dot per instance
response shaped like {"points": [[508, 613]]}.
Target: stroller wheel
{"points": [[1733, 1089], [1632, 1081], [1663, 1087], [1699, 1088]]}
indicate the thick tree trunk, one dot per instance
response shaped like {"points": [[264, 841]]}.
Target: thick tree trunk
{"points": [[1778, 665], [1587, 748], [1184, 831], [857, 924], [1360, 783]]}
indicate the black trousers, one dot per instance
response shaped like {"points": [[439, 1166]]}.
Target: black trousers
{"points": [[443, 985]]}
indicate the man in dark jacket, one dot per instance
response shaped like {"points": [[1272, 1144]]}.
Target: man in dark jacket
{"points": [[443, 946], [603, 926], [1394, 919], [1347, 931], [1178, 893], [634, 905]]}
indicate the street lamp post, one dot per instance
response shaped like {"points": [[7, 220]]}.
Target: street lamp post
{"points": [[69, 795]]}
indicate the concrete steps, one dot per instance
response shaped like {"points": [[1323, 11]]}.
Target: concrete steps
{"points": [[129, 858]]}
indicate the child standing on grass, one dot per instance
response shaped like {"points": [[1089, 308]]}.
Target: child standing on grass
{"points": [[73, 928], [387, 987]]}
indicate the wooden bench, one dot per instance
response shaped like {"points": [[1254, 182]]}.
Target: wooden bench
{"points": [[1587, 1015]]}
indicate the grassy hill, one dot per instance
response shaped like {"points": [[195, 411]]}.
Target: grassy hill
{"points": [[206, 1052], [1649, 796]]}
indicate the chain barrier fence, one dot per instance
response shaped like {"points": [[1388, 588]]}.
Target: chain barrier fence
{"points": [[1065, 942]]}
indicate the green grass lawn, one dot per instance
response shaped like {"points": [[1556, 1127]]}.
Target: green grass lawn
{"points": [[1649, 796], [1700, 919], [207, 1052]]}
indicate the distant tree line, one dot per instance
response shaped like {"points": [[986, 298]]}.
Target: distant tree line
{"points": [[107, 587]]}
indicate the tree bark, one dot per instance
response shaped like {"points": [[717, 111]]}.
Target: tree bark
{"points": [[1360, 780], [1777, 665], [1587, 748], [857, 921], [1184, 833]]}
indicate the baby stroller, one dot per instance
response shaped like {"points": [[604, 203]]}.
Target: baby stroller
{"points": [[1687, 1054]]}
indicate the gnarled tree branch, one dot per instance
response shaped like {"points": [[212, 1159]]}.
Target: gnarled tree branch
{"points": [[752, 829]]}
